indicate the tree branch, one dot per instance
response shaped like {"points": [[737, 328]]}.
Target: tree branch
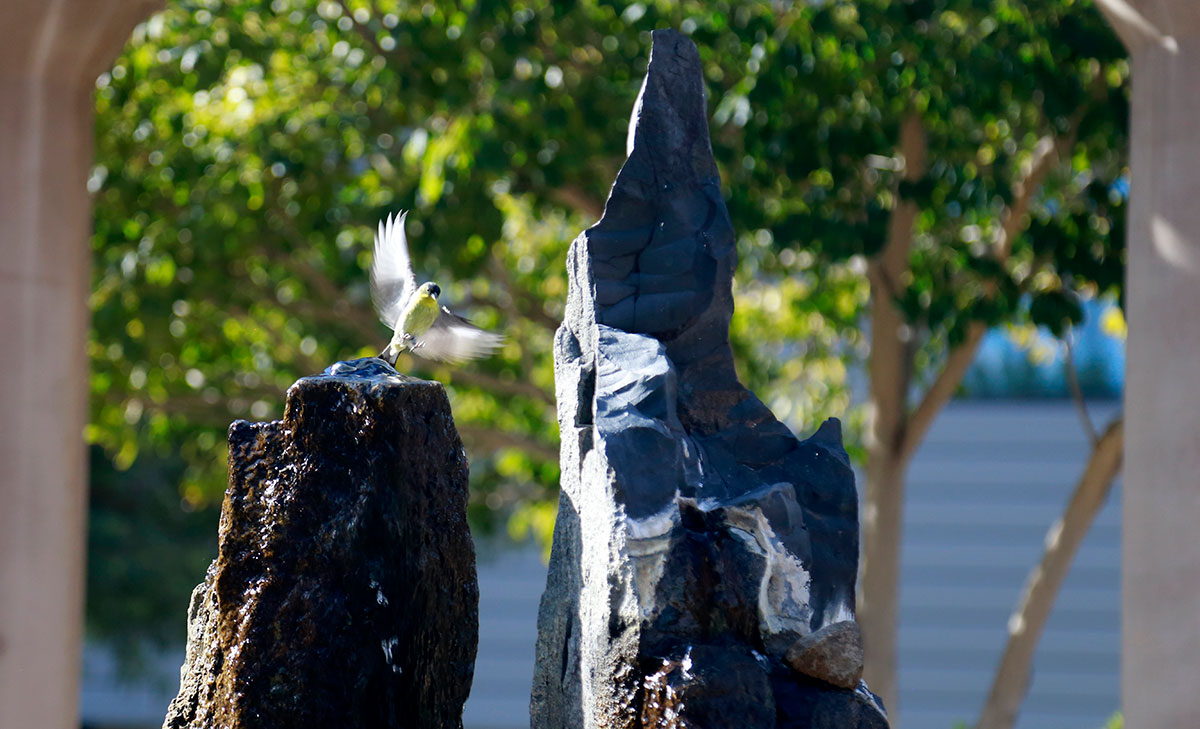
{"points": [[530, 308], [341, 315], [335, 308], [942, 389], [487, 439], [1046, 154], [494, 384], [1011, 681], [217, 414], [1077, 392], [336, 311], [364, 32], [574, 197]]}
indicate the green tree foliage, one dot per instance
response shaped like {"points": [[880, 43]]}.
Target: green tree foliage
{"points": [[246, 149]]}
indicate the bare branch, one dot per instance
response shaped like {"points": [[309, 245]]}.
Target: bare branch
{"points": [[487, 439], [1046, 154], [577, 199], [364, 32], [200, 411], [530, 306], [340, 314], [331, 306], [494, 384], [1077, 392], [942, 389], [1011, 681]]}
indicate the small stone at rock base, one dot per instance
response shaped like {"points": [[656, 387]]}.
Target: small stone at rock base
{"points": [[832, 654]]}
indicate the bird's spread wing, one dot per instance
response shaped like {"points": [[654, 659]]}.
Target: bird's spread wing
{"points": [[454, 339], [392, 279]]}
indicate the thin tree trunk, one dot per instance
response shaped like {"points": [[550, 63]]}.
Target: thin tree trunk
{"points": [[1011, 681], [890, 370], [879, 585], [893, 434]]}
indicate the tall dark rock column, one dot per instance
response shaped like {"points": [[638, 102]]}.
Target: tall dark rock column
{"points": [[344, 593], [704, 559]]}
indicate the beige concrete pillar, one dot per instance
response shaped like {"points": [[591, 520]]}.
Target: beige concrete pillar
{"points": [[50, 54], [1160, 643]]}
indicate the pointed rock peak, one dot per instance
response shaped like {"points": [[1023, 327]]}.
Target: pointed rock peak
{"points": [[829, 437], [662, 256], [669, 122], [685, 502]]}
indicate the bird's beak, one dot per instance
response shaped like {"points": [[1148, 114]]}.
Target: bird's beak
{"points": [[435, 290]]}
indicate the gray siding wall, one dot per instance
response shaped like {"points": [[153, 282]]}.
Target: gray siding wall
{"points": [[989, 482], [985, 487]]}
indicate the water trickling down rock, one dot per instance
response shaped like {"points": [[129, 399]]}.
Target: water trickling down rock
{"points": [[345, 591], [697, 539]]}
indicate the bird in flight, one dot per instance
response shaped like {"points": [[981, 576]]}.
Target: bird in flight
{"points": [[421, 325]]}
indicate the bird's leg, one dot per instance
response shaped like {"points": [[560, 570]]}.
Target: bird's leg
{"points": [[389, 354], [411, 342]]}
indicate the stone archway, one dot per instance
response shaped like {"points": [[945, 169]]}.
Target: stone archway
{"points": [[1160, 544], [50, 54]]}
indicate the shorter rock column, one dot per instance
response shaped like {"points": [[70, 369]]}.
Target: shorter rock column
{"points": [[344, 593]]}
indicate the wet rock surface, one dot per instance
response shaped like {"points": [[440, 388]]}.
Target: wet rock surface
{"points": [[697, 538], [344, 593]]}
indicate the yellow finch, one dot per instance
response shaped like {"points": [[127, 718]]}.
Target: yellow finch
{"points": [[421, 325]]}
